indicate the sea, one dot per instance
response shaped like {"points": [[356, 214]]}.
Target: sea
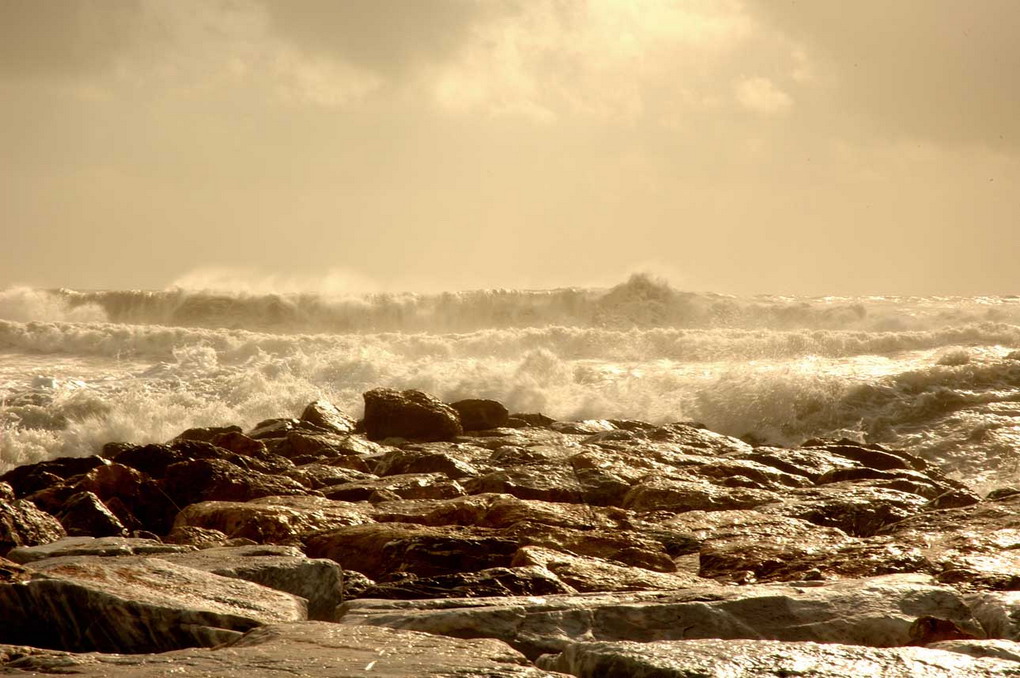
{"points": [[939, 376]]}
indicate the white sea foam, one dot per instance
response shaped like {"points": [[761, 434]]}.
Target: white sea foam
{"points": [[80, 369]]}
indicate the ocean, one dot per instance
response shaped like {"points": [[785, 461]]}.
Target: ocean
{"points": [[936, 375]]}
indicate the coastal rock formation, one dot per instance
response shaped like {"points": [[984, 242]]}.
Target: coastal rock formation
{"points": [[599, 543]]}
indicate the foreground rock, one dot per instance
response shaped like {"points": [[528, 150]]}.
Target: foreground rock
{"points": [[302, 649], [763, 658], [282, 568], [875, 612], [22, 524], [134, 604]]}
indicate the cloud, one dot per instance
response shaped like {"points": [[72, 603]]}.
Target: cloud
{"points": [[600, 59], [47, 38], [926, 69], [762, 96]]}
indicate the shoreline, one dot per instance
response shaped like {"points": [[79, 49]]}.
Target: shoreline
{"points": [[606, 542]]}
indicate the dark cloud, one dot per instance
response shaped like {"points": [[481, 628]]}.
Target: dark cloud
{"points": [[386, 36], [57, 37], [943, 70]]}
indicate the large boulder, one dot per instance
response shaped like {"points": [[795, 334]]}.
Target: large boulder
{"points": [[134, 604], [409, 414], [295, 649]]}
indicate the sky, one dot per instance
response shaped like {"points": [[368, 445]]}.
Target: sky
{"points": [[739, 146]]}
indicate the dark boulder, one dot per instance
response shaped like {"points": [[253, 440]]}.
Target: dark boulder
{"points": [[22, 524], [84, 515], [409, 414], [479, 415], [34, 477]]}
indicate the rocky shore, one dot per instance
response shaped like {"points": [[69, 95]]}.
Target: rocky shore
{"points": [[434, 539]]}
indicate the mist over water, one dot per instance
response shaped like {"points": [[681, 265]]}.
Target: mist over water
{"points": [[936, 374]]}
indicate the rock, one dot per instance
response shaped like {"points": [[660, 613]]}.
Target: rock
{"points": [[228, 438], [308, 648], [190, 482], [33, 477], [380, 550], [856, 509], [409, 414], [317, 476], [136, 500], [497, 581], [663, 493], [699, 440], [302, 446], [22, 524], [151, 460], [769, 547], [133, 604], [407, 486], [1008, 650], [479, 415], [977, 545], [271, 429], [929, 629], [199, 537], [536, 419], [402, 461], [498, 511], [555, 482], [282, 568], [84, 515], [589, 574], [92, 546], [764, 658], [272, 520], [325, 415], [586, 427], [877, 612]]}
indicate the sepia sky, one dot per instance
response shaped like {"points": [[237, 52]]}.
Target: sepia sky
{"points": [[744, 146]]}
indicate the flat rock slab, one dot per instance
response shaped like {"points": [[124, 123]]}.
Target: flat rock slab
{"points": [[91, 546], [300, 649], [875, 612], [283, 568], [134, 604], [763, 658]]}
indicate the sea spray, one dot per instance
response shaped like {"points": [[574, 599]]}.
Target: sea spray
{"points": [[930, 373]]}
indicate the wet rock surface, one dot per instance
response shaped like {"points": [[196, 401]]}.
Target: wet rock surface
{"points": [[760, 659], [310, 648], [615, 547]]}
